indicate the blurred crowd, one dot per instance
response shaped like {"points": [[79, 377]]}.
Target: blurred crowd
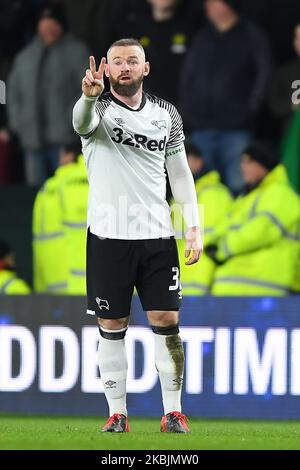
{"points": [[232, 67]]}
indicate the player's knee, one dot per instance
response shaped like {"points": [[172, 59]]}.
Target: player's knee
{"points": [[113, 329], [163, 318], [113, 324]]}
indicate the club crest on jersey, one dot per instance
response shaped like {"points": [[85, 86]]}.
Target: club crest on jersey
{"points": [[120, 121], [159, 124], [102, 303]]}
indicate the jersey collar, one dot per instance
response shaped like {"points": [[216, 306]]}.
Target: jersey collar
{"points": [[120, 103]]}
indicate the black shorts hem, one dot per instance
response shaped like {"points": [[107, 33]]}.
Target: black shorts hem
{"points": [[111, 316], [160, 309]]}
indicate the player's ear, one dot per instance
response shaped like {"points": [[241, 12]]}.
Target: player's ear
{"points": [[146, 69], [106, 70]]}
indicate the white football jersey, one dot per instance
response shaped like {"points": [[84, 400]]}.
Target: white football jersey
{"points": [[125, 158]]}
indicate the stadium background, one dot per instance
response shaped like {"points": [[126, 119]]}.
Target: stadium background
{"points": [[38, 372]]}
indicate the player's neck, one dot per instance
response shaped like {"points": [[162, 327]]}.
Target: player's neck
{"points": [[131, 101]]}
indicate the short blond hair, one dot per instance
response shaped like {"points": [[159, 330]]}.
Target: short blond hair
{"points": [[125, 43]]}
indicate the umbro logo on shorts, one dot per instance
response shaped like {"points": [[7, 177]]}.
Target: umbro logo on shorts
{"points": [[102, 303]]}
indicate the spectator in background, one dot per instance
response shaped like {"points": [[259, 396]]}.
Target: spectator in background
{"points": [[73, 191], [274, 16], [42, 88], [59, 227], [10, 284], [296, 283], [214, 202], [16, 28], [165, 30], [280, 98], [290, 150], [5, 149], [224, 81], [283, 99], [11, 163], [94, 20], [258, 245]]}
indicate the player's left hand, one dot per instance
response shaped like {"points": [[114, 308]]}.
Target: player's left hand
{"points": [[194, 245]]}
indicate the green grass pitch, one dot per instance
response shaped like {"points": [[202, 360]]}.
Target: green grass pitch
{"points": [[20, 432]]}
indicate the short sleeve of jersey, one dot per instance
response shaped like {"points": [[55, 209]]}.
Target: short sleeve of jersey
{"points": [[176, 134]]}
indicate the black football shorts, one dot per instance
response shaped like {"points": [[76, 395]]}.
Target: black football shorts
{"points": [[115, 267]]}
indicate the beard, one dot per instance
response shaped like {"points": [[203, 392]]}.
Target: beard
{"points": [[124, 89]]}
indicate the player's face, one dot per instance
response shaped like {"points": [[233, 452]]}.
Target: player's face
{"points": [[252, 171], [126, 69]]}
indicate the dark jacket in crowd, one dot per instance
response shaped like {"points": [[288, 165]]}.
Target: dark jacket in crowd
{"points": [[278, 19], [43, 86], [17, 23], [166, 44], [93, 20], [225, 76]]}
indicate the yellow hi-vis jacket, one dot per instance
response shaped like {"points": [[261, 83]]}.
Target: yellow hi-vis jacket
{"points": [[73, 190], [296, 283], [10, 284], [50, 272], [59, 228], [260, 240], [214, 202]]}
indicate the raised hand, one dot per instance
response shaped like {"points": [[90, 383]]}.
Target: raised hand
{"points": [[92, 83]]}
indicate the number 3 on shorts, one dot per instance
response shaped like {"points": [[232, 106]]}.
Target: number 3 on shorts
{"points": [[175, 278]]}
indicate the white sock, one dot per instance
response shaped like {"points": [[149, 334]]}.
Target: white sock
{"points": [[169, 361], [113, 366]]}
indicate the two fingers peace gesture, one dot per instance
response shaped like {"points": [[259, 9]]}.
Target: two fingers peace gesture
{"points": [[92, 83]]}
